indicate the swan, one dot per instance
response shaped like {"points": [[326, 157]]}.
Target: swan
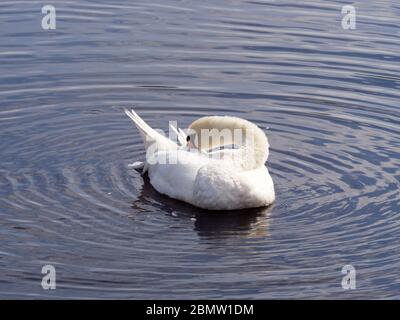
{"points": [[224, 170]]}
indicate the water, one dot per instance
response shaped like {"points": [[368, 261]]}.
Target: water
{"points": [[327, 98]]}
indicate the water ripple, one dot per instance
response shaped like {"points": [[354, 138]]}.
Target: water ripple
{"points": [[327, 99]]}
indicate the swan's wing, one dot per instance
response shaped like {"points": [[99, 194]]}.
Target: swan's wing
{"points": [[223, 187], [180, 134], [173, 172]]}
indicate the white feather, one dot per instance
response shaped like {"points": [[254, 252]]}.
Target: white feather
{"points": [[201, 179], [181, 137]]}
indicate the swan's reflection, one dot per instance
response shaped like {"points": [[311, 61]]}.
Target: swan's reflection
{"points": [[209, 224]]}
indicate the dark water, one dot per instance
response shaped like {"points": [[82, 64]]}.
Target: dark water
{"points": [[327, 98]]}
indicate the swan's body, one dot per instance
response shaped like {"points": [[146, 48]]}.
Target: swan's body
{"points": [[235, 179]]}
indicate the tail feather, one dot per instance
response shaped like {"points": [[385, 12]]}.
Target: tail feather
{"points": [[148, 134], [150, 131], [181, 137], [144, 132]]}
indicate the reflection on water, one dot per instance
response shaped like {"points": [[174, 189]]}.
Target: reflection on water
{"points": [[326, 97]]}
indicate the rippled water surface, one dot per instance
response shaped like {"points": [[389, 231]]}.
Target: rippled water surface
{"points": [[327, 98]]}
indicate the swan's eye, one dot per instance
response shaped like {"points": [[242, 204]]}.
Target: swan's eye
{"points": [[187, 138]]}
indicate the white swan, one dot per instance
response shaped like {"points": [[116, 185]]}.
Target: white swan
{"points": [[225, 179]]}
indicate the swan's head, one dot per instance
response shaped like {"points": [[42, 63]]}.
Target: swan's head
{"points": [[211, 132]]}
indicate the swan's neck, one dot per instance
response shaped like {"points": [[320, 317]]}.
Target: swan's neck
{"points": [[216, 131]]}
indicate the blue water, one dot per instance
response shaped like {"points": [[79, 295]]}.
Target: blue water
{"points": [[327, 98]]}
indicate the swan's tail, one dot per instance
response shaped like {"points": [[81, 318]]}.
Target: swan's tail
{"points": [[148, 134]]}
